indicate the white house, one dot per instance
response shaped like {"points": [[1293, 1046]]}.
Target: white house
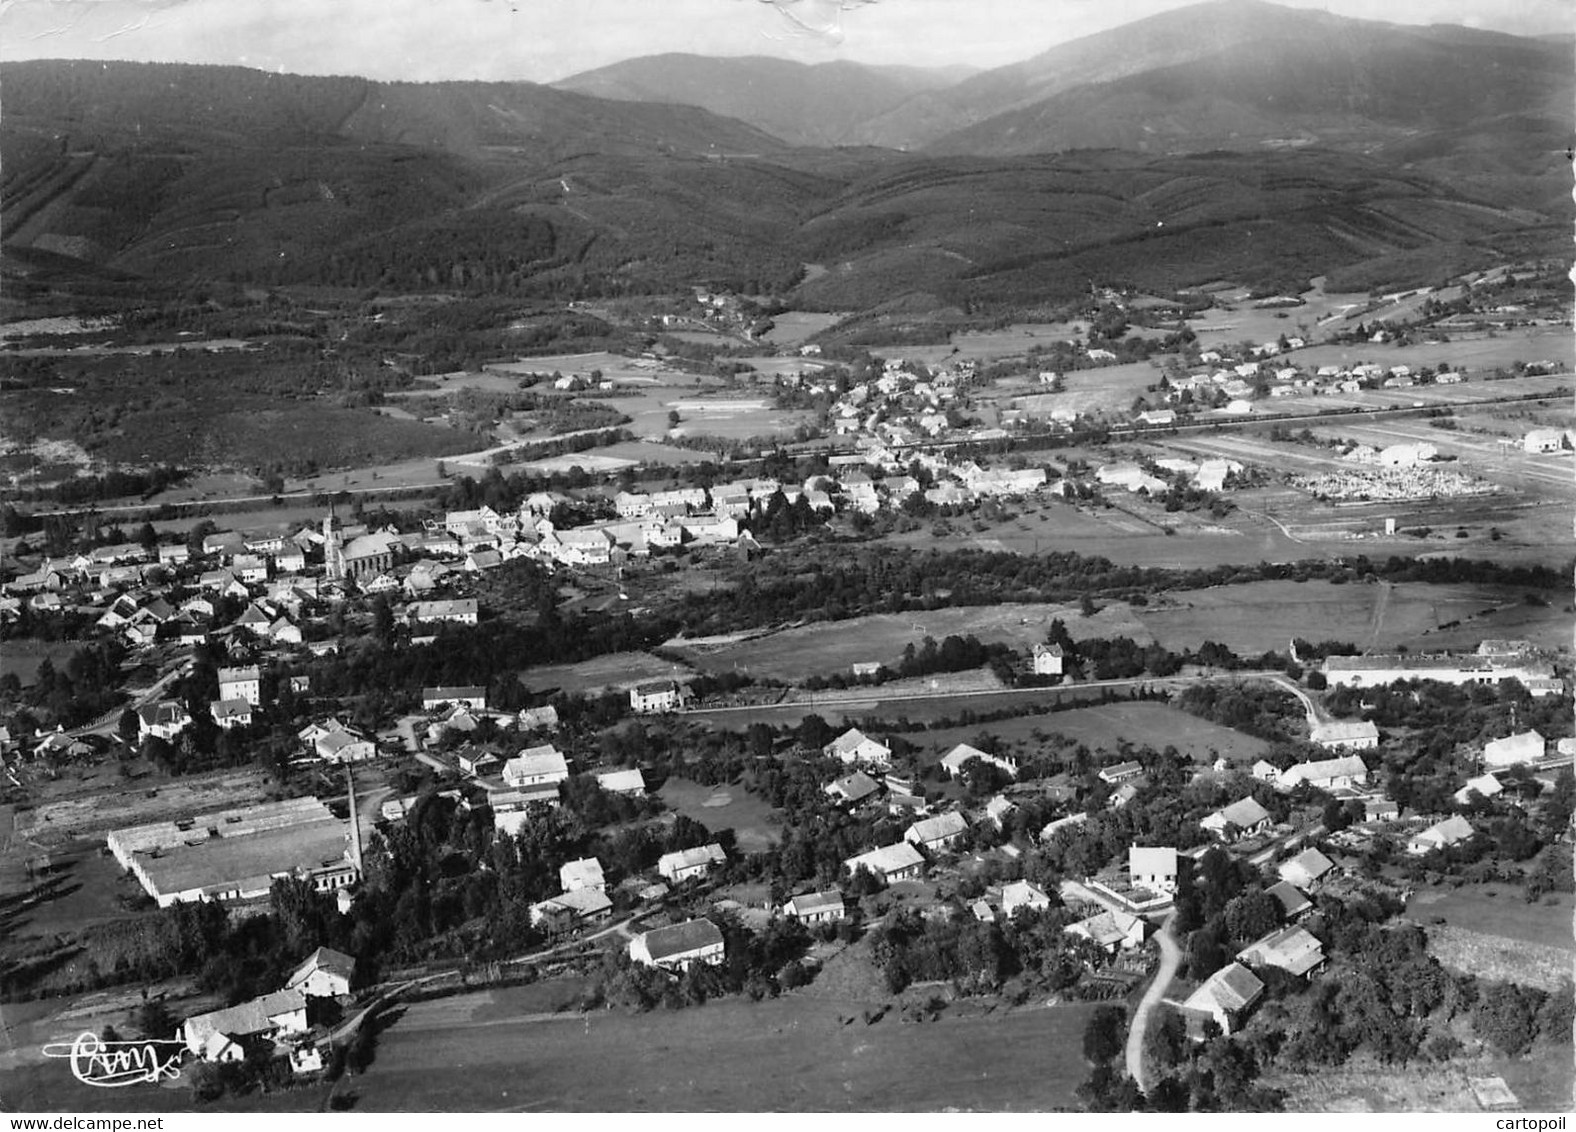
{"points": [[679, 946], [628, 782], [1485, 786], [325, 974], [1514, 749], [1225, 997], [1110, 930], [1326, 774], [816, 907], [1294, 950], [900, 861], [1152, 868], [954, 760], [434, 698], [231, 713], [854, 746], [1305, 869], [687, 863], [655, 696], [937, 834], [241, 684], [1452, 831], [1048, 660], [584, 873], [536, 766], [164, 720], [1240, 819], [280, 1013], [1347, 735], [1022, 894]]}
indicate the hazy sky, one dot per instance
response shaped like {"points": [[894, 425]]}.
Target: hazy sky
{"points": [[543, 40]]}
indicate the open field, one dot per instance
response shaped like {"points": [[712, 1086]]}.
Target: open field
{"points": [[1497, 909], [1469, 355], [1236, 319], [1109, 389], [1103, 727], [833, 646], [710, 1059], [87, 885], [646, 452], [753, 822], [616, 670], [792, 327], [1542, 1082], [1259, 616]]}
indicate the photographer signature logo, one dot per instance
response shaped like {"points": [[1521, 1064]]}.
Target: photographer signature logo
{"points": [[113, 1065]]}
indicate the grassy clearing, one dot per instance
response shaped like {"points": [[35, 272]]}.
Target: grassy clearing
{"points": [[616, 670], [1498, 957], [1104, 727], [711, 1058], [1258, 616], [1498, 909], [722, 807], [832, 646]]}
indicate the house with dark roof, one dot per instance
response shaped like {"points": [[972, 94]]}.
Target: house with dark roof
{"points": [[679, 946], [1240, 819], [326, 973], [852, 789], [1306, 869], [273, 1015], [1225, 998], [1293, 949]]}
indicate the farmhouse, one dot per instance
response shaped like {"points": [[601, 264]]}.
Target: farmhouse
{"points": [[434, 698], [1152, 868], [241, 684], [1022, 894], [1225, 997], [687, 863], [567, 910], [937, 834], [1484, 786], [325, 974], [677, 947], [1294, 905], [1347, 735], [544, 718], [1326, 774], [816, 907], [1110, 930], [1452, 831], [889, 863], [273, 1015], [1240, 819], [1541, 440], [536, 766], [345, 746], [954, 760], [477, 761], [1514, 749], [1305, 869], [1121, 772], [854, 746], [460, 610], [655, 696], [853, 789], [1294, 950]]}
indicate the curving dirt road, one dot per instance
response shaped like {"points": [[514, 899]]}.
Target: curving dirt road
{"points": [[1170, 959]]}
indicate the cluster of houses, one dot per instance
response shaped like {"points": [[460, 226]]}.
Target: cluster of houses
{"points": [[287, 1021], [1232, 385]]}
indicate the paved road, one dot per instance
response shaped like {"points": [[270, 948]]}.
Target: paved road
{"points": [[1170, 959]]}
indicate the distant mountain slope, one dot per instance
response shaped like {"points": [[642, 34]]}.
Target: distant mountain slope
{"points": [[181, 175], [1291, 77], [823, 104]]}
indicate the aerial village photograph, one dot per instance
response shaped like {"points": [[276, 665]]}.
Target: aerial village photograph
{"points": [[925, 556]]}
